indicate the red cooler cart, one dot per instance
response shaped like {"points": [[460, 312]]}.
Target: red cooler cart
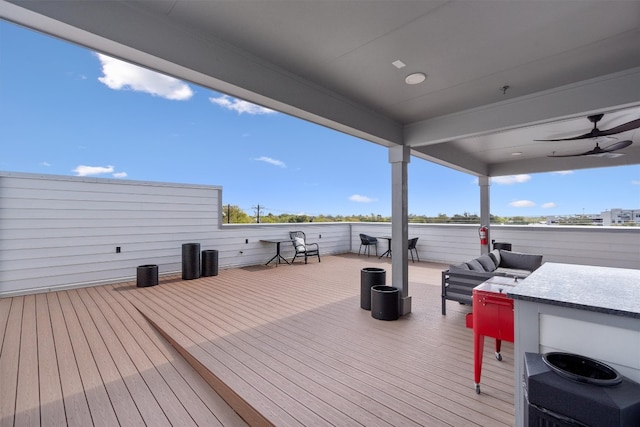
{"points": [[492, 317]]}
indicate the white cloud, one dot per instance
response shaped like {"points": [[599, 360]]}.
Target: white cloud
{"points": [[634, 182], [271, 161], [120, 175], [45, 164], [510, 179], [361, 199], [239, 105], [522, 204], [563, 172], [548, 205], [120, 75], [82, 170]]}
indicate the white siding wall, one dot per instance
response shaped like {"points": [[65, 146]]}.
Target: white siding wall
{"points": [[63, 231], [58, 232], [601, 246]]}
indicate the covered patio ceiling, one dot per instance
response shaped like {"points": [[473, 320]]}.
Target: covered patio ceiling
{"points": [[500, 74]]}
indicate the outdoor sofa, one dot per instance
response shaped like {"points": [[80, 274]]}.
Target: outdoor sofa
{"points": [[460, 279]]}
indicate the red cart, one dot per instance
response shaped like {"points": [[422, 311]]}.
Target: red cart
{"points": [[492, 317]]}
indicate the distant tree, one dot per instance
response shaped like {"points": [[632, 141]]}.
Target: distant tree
{"points": [[232, 214]]}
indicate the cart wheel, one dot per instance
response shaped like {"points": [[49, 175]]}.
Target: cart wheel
{"points": [[477, 388], [499, 357]]}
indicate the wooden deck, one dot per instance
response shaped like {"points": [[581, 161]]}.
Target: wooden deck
{"points": [[283, 346]]}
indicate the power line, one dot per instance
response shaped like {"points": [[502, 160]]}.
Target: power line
{"points": [[258, 212]]}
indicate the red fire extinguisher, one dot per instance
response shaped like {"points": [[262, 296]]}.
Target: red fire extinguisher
{"points": [[482, 232]]}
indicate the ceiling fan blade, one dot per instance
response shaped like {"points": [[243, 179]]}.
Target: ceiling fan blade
{"points": [[570, 155], [585, 136], [618, 145], [601, 152], [595, 132], [633, 124]]}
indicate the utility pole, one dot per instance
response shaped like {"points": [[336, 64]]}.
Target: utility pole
{"points": [[257, 208]]}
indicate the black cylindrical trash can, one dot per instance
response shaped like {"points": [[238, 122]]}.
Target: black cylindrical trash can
{"points": [[209, 263], [370, 277], [146, 275], [502, 245], [384, 303], [190, 261]]}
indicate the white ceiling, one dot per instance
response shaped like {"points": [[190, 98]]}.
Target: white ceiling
{"points": [[331, 62]]}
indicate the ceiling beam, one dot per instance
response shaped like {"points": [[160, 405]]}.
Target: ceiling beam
{"points": [[600, 95]]}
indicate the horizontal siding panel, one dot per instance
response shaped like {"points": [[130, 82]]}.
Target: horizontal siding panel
{"points": [[103, 185], [92, 196], [183, 230], [105, 211], [62, 205], [106, 223]]}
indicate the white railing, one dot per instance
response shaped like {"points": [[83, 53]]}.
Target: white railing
{"points": [[241, 245]]}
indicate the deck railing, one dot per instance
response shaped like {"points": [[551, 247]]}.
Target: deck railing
{"points": [[242, 245]]}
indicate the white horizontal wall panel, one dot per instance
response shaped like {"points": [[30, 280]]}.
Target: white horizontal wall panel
{"points": [[61, 231]]}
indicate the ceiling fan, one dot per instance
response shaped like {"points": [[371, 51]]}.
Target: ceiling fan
{"points": [[601, 152], [596, 133]]}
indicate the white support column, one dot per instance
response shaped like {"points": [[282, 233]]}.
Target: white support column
{"points": [[485, 210], [399, 158]]}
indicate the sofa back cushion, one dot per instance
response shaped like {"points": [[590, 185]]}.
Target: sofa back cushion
{"points": [[474, 265], [459, 268], [495, 254], [519, 260], [487, 262]]}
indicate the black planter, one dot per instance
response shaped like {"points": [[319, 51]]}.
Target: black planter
{"points": [[384, 303], [370, 277], [146, 275], [190, 261], [209, 263]]}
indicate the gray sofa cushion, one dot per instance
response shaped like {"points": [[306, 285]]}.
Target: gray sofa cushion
{"points": [[519, 260], [487, 262], [459, 268], [475, 265], [495, 254]]}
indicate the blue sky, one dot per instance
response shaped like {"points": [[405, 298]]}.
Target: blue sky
{"points": [[66, 110]]}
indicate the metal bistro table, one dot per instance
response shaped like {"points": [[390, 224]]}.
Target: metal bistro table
{"points": [[388, 252], [277, 257]]}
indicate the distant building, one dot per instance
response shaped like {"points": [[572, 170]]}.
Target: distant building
{"points": [[611, 217], [578, 219], [621, 216]]}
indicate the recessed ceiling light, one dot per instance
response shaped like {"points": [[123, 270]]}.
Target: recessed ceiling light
{"points": [[399, 64], [415, 78]]}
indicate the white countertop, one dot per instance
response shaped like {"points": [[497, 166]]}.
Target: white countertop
{"points": [[603, 289]]}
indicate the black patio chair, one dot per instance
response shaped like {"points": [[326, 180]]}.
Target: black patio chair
{"points": [[368, 241], [412, 248], [303, 248]]}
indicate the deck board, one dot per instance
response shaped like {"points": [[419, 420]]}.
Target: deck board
{"points": [[51, 401], [9, 361], [287, 346], [74, 398], [94, 386]]}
